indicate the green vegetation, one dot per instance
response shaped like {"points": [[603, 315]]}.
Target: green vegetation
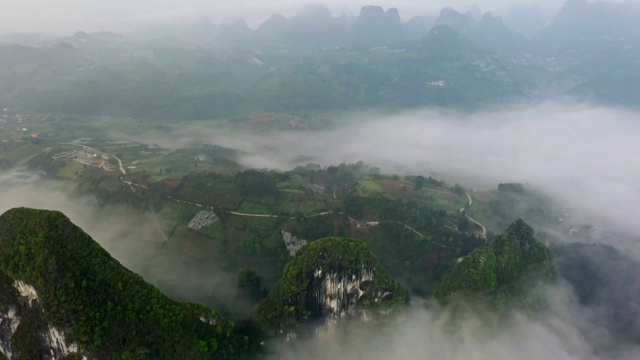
{"points": [[249, 291], [496, 209], [369, 187], [72, 170], [310, 280], [249, 287], [503, 271], [108, 310]]}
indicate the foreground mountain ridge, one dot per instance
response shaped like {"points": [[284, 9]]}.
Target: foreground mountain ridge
{"points": [[79, 301]]}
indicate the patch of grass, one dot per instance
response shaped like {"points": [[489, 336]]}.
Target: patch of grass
{"points": [[257, 223], [255, 208], [397, 189], [440, 199], [174, 212], [369, 187], [292, 191], [294, 201], [312, 206], [71, 171], [214, 231], [22, 153]]}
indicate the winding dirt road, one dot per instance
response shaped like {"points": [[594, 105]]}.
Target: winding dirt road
{"points": [[484, 229], [122, 170], [257, 215]]}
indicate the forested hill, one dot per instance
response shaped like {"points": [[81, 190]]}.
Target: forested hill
{"points": [[62, 294], [503, 270], [330, 278]]}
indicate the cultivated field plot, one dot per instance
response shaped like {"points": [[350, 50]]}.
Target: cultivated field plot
{"points": [[369, 187], [174, 214], [299, 202], [71, 170], [397, 189], [20, 153], [253, 207], [196, 244], [440, 199]]}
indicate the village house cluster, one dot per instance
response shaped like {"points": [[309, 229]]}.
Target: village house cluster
{"points": [[86, 156]]}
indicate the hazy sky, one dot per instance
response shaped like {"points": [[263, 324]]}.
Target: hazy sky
{"points": [[68, 16]]}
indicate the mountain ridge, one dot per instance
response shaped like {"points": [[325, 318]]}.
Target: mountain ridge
{"points": [[102, 309]]}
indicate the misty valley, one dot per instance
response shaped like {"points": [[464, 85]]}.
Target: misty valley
{"points": [[361, 186]]}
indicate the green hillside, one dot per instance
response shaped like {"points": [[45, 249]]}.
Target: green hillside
{"points": [[106, 309], [502, 270], [330, 277]]}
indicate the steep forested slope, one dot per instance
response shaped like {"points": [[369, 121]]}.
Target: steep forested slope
{"points": [[502, 270], [93, 305], [329, 279]]}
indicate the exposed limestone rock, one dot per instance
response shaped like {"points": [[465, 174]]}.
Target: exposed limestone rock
{"points": [[26, 291], [339, 295], [293, 243], [328, 280], [8, 326], [57, 343], [203, 219], [53, 340]]}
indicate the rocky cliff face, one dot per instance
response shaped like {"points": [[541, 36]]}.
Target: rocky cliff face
{"points": [[328, 280], [293, 243], [24, 332]]}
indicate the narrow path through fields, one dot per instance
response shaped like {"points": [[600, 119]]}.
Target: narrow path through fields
{"points": [[470, 202]]}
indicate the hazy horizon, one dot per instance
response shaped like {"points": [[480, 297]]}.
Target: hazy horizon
{"points": [[64, 17]]}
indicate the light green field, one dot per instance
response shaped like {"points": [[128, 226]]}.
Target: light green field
{"points": [[177, 213], [293, 191], [214, 231], [312, 206], [305, 203], [71, 171], [440, 199], [23, 153], [195, 245], [255, 208], [369, 187]]}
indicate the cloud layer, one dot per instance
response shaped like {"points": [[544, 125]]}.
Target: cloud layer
{"points": [[562, 333], [582, 154]]}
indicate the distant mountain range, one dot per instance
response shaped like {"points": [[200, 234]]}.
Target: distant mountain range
{"points": [[316, 61]]}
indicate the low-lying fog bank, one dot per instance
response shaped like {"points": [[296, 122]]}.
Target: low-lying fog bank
{"points": [[579, 153], [566, 332], [129, 235]]}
